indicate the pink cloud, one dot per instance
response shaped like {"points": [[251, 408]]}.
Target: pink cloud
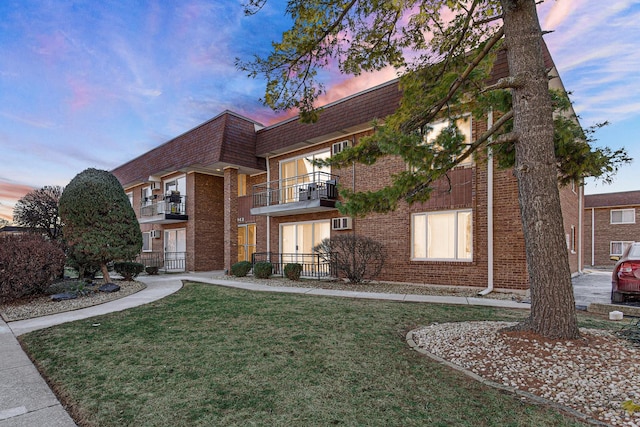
{"points": [[9, 195]]}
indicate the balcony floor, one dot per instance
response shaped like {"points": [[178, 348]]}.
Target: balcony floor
{"points": [[295, 208]]}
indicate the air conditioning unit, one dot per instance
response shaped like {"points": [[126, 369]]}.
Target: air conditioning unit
{"points": [[155, 185], [343, 223], [339, 146], [155, 234]]}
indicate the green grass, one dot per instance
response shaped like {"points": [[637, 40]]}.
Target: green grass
{"points": [[212, 356]]}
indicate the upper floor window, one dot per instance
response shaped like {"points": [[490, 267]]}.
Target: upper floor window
{"points": [[242, 185], [623, 216], [130, 197], [442, 236], [433, 130], [176, 186]]}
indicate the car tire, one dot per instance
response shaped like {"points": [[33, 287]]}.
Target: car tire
{"points": [[617, 297]]}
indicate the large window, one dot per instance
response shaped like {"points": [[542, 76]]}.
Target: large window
{"points": [[618, 247], [442, 236], [623, 216], [246, 241]]}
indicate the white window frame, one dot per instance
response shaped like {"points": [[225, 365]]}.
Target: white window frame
{"points": [[624, 244], [622, 212], [429, 135], [130, 197], [150, 240], [457, 258], [174, 181], [573, 239]]}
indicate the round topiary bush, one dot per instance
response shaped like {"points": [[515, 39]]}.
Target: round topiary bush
{"points": [[128, 270], [152, 270], [262, 270], [292, 271], [241, 269]]}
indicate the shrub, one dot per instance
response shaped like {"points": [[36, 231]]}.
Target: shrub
{"points": [[355, 257], [128, 270], [241, 269], [262, 270], [28, 265], [152, 270], [292, 271]]}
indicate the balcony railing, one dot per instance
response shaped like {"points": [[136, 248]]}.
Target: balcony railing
{"points": [[313, 186], [312, 264], [170, 205]]}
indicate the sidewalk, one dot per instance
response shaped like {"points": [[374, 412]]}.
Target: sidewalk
{"points": [[27, 401]]}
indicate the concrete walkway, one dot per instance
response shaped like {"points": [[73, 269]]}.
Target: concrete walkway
{"points": [[27, 401]]}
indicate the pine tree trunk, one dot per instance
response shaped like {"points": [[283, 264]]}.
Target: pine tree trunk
{"points": [[105, 273], [553, 312]]}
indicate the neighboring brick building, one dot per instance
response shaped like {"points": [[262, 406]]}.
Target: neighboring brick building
{"points": [[230, 188], [611, 222]]}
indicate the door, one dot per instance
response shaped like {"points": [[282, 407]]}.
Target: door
{"points": [[175, 249], [246, 242], [298, 239]]}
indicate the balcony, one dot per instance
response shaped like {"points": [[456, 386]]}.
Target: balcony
{"points": [[169, 210], [314, 192]]}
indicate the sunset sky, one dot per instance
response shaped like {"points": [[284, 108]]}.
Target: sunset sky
{"points": [[94, 84]]}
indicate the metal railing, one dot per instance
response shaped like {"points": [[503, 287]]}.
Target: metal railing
{"points": [[313, 186], [171, 204], [167, 261], [312, 264]]}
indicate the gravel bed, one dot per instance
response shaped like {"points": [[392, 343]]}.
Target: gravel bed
{"points": [[43, 306], [379, 287], [593, 375]]}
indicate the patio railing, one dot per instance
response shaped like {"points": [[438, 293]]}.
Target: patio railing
{"points": [[312, 264], [167, 261]]}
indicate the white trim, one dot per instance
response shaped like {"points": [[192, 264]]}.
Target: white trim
{"points": [[622, 221], [426, 215]]}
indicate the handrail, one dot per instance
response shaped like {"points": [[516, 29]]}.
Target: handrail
{"points": [[312, 186], [170, 204]]}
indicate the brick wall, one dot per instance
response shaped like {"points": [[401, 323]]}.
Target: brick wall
{"points": [[599, 254]]}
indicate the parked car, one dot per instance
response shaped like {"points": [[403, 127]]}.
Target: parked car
{"points": [[625, 281]]}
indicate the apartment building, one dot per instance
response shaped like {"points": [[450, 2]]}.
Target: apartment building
{"points": [[611, 223], [232, 189]]}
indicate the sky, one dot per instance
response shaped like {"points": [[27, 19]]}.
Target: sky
{"points": [[95, 84]]}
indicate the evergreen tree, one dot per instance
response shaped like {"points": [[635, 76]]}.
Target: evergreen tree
{"points": [[444, 51], [100, 224]]}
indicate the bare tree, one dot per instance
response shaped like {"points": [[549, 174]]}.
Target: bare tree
{"points": [[38, 210]]}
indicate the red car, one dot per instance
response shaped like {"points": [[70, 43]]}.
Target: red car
{"points": [[625, 281]]}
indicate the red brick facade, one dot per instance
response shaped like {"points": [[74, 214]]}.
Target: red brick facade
{"points": [[600, 229], [213, 155]]}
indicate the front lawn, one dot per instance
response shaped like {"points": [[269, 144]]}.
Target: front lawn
{"points": [[213, 356]]}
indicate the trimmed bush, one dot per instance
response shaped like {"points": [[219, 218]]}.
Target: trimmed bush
{"points": [[128, 270], [28, 265], [151, 270], [262, 270], [292, 271], [241, 269]]}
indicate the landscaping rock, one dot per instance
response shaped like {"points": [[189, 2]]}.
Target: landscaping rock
{"points": [[64, 296], [109, 287]]}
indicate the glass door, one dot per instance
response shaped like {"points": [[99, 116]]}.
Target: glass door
{"points": [[175, 249], [298, 240]]}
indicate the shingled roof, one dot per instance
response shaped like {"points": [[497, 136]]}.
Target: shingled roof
{"points": [[612, 200]]}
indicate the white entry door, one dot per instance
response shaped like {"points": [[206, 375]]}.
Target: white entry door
{"points": [[175, 249]]}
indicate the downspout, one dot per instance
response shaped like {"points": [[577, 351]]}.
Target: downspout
{"points": [[580, 227], [489, 212], [268, 217], [593, 237]]}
